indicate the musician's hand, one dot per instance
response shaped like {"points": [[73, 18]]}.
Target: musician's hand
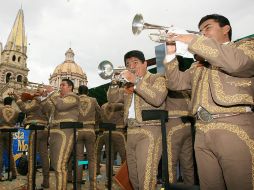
{"points": [[129, 89], [185, 38], [48, 88], [171, 48], [127, 75]]}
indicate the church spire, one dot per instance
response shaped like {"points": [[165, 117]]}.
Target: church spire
{"points": [[17, 40]]}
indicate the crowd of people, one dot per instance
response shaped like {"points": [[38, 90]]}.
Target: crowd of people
{"points": [[210, 117]]}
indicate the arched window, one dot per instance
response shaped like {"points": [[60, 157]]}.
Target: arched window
{"points": [[7, 78], [19, 58], [19, 78], [13, 58]]}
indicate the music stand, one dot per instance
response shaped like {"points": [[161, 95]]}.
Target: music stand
{"points": [[35, 128], [9, 131], [109, 127], [74, 126], [162, 115]]}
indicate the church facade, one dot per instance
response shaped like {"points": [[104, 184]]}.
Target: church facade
{"points": [[13, 64]]}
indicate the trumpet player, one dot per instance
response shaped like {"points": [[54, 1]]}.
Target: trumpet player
{"points": [[114, 112], [222, 97], [65, 106], [148, 91]]}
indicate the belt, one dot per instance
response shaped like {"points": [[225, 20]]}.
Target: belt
{"points": [[206, 116]]}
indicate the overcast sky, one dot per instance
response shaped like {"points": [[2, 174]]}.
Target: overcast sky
{"points": [[100, 30]]}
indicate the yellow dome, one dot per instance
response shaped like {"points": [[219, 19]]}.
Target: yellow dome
{"points": [[69, 67]]}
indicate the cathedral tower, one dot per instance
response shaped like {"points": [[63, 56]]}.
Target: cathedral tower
{"points": [[13, 57]]}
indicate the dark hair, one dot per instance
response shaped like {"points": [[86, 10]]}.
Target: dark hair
{"points": [[134, 53], [69, 82], [223, 21], [8, 100], [82, 89]]}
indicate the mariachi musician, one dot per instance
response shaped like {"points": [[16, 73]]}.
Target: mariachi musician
{"points": [[32, 106], [65, 106], [89, 111], [115, 114], [143, 137], [8, 118]]}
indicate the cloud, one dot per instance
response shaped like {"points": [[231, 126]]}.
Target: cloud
{"points": [[101, 30]]}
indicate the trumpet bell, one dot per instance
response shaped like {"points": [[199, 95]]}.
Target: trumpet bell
{"points": [[137, 24], [105, 69]]}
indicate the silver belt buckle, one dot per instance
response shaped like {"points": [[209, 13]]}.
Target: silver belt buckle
{"points": [[204, 115]]}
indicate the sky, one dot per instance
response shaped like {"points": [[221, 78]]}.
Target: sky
{"points": [[100, 30]]}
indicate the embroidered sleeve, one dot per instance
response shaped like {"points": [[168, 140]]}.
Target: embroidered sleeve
{"points": [[176, 79], [153, 91], [234, 59]]}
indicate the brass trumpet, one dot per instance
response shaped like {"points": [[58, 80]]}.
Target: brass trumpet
{"points": [[106, 70], [138, 25]]}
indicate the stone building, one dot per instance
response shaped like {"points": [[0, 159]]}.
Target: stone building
{"points": [[13, 65]]}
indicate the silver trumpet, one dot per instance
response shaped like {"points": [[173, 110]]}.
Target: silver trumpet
{"points": [[138, 25], [106, 70]]}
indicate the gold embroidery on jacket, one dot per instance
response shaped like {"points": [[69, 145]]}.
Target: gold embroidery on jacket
{"points": [[85, 106], [213, 108], [197, 84], [240, 84], [160, 84], [107, 113], [172, 66], [204, 49], [144, 86], [234, 129], [248, 48], [8, 114], [220, 94], [69, 99], [138, 109], [148, 172]]}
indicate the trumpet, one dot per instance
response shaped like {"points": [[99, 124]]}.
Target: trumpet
{"points": [[106, 71], [138, 25]]}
